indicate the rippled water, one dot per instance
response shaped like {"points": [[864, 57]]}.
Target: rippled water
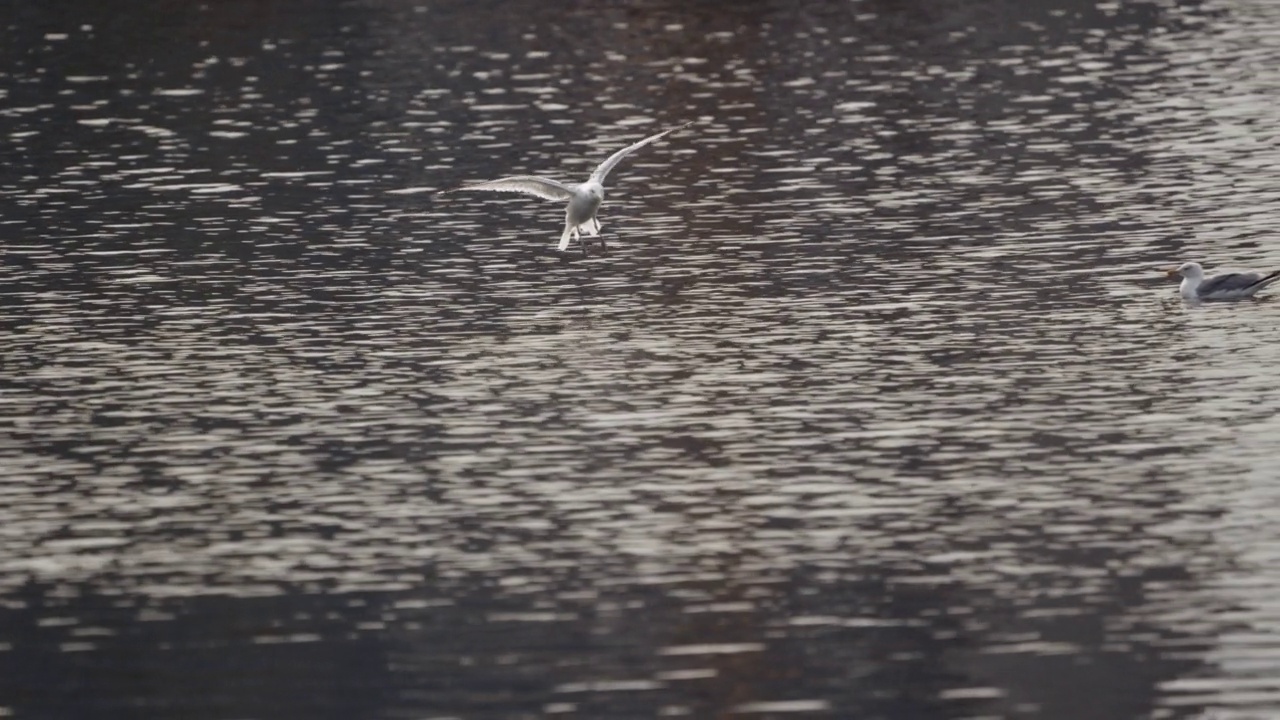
{"points": [[879, 405]]}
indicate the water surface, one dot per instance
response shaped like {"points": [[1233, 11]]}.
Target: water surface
{"points": [[877, 407]]}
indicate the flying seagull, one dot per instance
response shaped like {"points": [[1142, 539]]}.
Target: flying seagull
{"points": [[584, 199], [1228, 286]]}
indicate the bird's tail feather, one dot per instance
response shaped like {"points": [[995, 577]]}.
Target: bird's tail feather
{"points": [[1267, 279], [569, 232]]}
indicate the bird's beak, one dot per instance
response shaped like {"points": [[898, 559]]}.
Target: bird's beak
{"points": [[1171, 272]]}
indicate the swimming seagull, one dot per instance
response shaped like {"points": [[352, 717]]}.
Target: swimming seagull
{"points": [[1228, 286], [584, 199]]}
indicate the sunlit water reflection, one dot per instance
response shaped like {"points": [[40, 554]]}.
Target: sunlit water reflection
{"points": [[877, 407]]}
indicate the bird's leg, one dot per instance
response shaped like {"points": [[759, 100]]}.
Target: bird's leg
{"points": [[592, 227], [582, 241]]}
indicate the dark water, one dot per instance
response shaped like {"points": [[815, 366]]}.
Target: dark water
{"points": [[878, 406]]}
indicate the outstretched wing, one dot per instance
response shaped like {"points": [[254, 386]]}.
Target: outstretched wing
{"points": [[603, 170], [545, 188]]}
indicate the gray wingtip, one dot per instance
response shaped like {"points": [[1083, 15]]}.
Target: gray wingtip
{"points": [[675, 128]]}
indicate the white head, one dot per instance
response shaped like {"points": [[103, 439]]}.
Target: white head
{"points": [[1189, 270]]}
